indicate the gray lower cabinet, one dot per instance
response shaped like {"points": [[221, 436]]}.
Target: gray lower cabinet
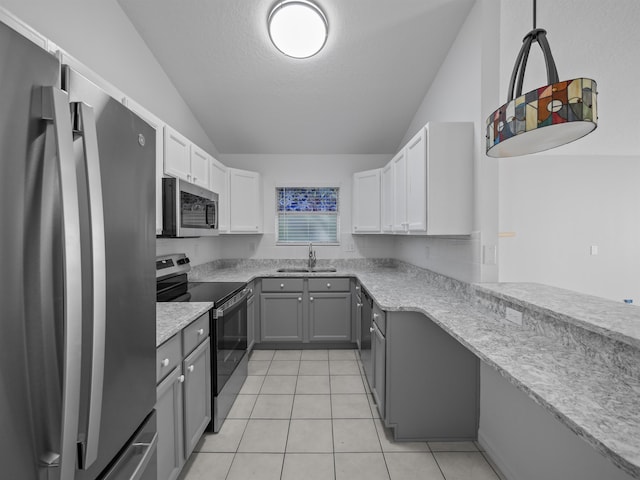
{"points": [[169, 414], [431, 381], [306, 310], [281, 317], [329, 317], [197, 395], [183, 395], [379, 354]]}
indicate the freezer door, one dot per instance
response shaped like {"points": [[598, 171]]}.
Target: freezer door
{"points": [[118, 373], [139, 459], [31, 255]]}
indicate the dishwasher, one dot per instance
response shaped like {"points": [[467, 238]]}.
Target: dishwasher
{"points": [[366, 327]]}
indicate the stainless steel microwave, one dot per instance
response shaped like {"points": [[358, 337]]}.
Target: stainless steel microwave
{"points": [[188, 210]]}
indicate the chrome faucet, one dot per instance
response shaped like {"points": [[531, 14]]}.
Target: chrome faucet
{"points": [[312, 257]]}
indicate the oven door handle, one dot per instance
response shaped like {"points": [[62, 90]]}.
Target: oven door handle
{"points": [[221, 312]]}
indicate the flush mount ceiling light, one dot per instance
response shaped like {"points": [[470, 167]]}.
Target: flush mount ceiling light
{"points": [[547, 117], [298, 28]]}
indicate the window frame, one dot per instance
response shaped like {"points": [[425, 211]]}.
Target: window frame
{"points": [[281, 243]]}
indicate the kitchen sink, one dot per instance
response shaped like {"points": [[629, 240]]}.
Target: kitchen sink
{"points": [[306, 270]]}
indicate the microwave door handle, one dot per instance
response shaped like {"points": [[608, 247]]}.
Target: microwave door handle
{"points": [[99, 285], [210, 207], [55, 108]]}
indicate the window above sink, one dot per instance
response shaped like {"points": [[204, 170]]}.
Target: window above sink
{"points": [[307, 214]]}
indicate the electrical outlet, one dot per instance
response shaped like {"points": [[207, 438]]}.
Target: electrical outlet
{"points": [[514, 316]]}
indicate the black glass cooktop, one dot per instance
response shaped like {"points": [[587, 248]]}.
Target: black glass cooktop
{"points": [[216, 292]]}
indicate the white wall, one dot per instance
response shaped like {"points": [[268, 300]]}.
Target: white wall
{"points": [[98, 33], [456, 94], [556, 204], [305, 170]]}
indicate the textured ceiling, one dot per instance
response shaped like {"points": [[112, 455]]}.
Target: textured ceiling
{"points": [[358, 95]]}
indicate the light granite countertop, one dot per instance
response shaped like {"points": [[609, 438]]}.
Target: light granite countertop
{"points": [[591, 395], [171, 317]]}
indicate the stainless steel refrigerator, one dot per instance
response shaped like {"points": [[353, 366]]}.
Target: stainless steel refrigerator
{"points": [[77, 276]]}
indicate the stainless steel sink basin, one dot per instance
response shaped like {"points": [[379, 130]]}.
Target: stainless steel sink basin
{"points": [[306, 270]]}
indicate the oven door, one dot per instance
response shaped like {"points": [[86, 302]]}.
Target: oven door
{"points": [[231, 338]]}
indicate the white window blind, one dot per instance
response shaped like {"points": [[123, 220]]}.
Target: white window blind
{"points": [[307, 214]]}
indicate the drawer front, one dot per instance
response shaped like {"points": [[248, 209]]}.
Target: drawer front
{"points": [[329, 285], [195, 333], [380, 317], [282, 284], [168, 356]]}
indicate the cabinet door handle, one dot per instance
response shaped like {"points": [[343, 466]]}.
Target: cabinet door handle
{"points": [[299, 299], [165, 362], [359, 305], [282, 285], [200, 331], [191, 368], [376, 316], [311, 299], [328, 285], [371, 329], [181, 378]]}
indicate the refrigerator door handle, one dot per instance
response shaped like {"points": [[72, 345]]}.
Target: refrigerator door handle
{"points": [[86, 116], [55, 108]]}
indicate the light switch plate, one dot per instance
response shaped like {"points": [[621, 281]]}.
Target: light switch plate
{"points": [[489, 254]]}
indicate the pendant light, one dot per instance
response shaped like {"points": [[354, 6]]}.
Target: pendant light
{"points": [[547, 117], [298, 28]]}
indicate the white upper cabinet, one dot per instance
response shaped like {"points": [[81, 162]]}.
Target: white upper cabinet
{"points": [[399, 166], [183, 159], [158, 125], [218, 183], [177, 154], [416, 187], [245, 201], [387, 198], [366, 201], [439, 180], [427, 188], [200, 161], [449, 178]]}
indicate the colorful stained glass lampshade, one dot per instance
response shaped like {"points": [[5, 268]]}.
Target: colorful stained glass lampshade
{"points": [[547, 117]]}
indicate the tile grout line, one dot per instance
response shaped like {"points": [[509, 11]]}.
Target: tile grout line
{"points": [[333, 438]]}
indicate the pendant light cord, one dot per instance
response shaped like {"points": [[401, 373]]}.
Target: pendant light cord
{"points": [[537, 35]]}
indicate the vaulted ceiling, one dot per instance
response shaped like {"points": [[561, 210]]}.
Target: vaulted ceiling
{"points": [[357, 96]]}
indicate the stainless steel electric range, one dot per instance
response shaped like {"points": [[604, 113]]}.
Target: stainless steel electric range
{"points": [[228, 327]]}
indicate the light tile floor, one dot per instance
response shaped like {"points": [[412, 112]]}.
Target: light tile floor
{"points": [[309, 415]]}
